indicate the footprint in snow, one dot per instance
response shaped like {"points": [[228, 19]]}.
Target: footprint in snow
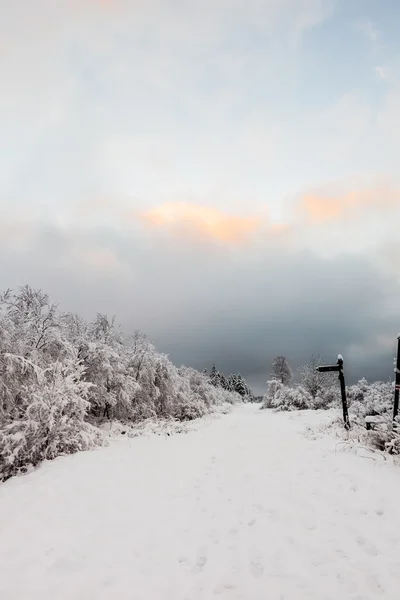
{"points": [[367, 546], [256, 568], [200, 563]]}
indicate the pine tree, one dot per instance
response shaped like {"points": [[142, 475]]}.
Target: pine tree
{"points": [[240, 385], [223, 382], [232, 382], [236, 383], [215, 377]]}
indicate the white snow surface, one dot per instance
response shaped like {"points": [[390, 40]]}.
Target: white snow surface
{"points": [[244, 507]]}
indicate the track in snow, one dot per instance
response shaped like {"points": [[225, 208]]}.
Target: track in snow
{"points": [[245, 507]]}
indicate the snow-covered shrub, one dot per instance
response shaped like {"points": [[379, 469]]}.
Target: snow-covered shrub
{"points": [[370, 399], [356, 393], [52, 422], [387, 436], [294, 399], [224, 396], [200, 385], [190, 408], [273, 388], [282, 397], [327, 398]]}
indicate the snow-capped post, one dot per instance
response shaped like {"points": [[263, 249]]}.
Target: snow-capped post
{"points": [[338, 368], [397, 383]]}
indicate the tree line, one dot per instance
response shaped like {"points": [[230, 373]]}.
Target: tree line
{"points": [[60, 375], [233, 383]]}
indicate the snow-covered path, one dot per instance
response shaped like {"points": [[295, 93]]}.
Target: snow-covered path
{"points": [[245, 507]]}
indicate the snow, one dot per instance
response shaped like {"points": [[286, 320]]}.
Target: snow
{"points": [[372, 419], [340, 357], [244, 507]]}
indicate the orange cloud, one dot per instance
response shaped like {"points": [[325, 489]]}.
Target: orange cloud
{"points": [[207, 221], [319, 208]]}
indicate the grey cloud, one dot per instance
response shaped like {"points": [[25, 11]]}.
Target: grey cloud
{"points": [[202, 303]]}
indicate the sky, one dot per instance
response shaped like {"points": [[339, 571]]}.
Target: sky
{"points": [[222, 175]]}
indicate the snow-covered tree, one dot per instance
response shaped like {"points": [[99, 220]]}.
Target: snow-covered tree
{"points": [[60, 376], [52, 421], [232, 382], [215, 377], [281, 370], [223, 382], [312, 380], [236, 383], [31, 336]]}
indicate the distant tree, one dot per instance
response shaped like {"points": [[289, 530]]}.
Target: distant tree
{"points": [[240, 385], [313, 381], [223, 382], [281, 370], [232, 382], [236, 383], [215, 377]]}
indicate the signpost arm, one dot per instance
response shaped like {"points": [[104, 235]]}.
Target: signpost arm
{"points": [[397, 384]]}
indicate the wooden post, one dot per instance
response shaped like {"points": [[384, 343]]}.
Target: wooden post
{"points": [[339, 368], [343, 392], [397, 381]]}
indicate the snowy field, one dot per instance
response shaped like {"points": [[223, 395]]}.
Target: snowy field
{"points": [[245, 507]]}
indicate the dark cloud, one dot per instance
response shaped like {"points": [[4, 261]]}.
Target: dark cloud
{"points": [[204, 303]]}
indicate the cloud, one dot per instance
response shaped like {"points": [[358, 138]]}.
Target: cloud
{"points": [[369, 30], [224, 14], [206, 221], [359, 221], [95, 260], [385, 73], [107, 4], [201, 305], [323, 285], [16, 232], [357, 204], [163, 161]]}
